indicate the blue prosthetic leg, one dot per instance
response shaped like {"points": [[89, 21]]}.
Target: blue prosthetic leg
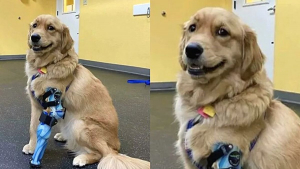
{"points": [[47, 120], [230, 156]]}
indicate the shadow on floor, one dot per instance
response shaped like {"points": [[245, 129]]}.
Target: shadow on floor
{"points": [[130, 100], [164, 130]]}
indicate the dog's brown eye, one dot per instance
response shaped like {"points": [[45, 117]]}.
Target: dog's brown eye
{"points": [[222, 32], [51, 28], [34, 25], [192, 28]]}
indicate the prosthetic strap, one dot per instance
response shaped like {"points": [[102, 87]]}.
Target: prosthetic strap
{"points": [[46, 119], [217, 154], [57, 95]]}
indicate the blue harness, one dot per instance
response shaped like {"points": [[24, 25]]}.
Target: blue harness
{"points": [[227, 156], [42, 102], [51, 99]]}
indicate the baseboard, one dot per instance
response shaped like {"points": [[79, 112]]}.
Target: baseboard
{"points": [[101, 65], [162, 86], [115, 67], [289, 97], [12, 57]]}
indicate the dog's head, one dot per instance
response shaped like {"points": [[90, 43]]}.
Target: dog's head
{"points": [[47, 33], [215, 42]]}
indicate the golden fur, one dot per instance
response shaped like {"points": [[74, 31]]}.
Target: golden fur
{"points": [[240, 92], [91, 123]]}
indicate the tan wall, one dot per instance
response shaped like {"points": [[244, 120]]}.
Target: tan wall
{"points": [[13, 32], [110, 33], [166, 31], [287, 46]]}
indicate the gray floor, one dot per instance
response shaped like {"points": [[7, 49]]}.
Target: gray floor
{"points": [[130, 100], [164, 131]]}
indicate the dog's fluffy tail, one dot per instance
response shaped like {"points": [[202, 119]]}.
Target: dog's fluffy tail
{"points": [[120, 161]]}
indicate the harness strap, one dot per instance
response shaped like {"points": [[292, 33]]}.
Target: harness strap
{"points": [[38, 74], [35, 76], [50, 104], [32, 92], [253, 142], [191, 124]]}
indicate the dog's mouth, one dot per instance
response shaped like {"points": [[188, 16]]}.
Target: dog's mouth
{"points": [[198, 70], [37, 48]]}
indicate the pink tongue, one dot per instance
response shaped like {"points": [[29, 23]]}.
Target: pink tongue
{"points": [[201, 112]]}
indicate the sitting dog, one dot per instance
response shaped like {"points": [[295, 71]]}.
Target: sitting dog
{"points": [[222, 67], [90, 125]]}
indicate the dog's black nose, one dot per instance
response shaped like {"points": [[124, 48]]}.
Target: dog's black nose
{"points": [[35, 37], [193, 50]]}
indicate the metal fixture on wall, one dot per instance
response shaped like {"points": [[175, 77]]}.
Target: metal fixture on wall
{"points": [[148, 12], [272, 9]]}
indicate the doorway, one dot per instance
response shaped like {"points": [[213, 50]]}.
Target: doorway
{"points": [[260, 16], [68, 12]]}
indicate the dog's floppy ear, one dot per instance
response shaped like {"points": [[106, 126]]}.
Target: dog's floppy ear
{"points": [[253, 58], [66, 40], [182, 45]]}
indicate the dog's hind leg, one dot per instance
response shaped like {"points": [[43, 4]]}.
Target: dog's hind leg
{"points": [[59, 137], [84, 159], [81, 142]]}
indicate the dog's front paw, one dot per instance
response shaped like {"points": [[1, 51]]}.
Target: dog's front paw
{"points": [[28, 149], [80, 161], [59, 137]]}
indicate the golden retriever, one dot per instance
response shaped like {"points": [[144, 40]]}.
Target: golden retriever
{"points": [[90, 126], [223, 67]]}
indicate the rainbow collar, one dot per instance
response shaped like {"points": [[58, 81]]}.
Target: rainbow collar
{"points": [[206, 111], [42, 70]]}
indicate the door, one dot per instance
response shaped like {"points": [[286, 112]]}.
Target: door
{"points": [[68, 13], [260, 16]]}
